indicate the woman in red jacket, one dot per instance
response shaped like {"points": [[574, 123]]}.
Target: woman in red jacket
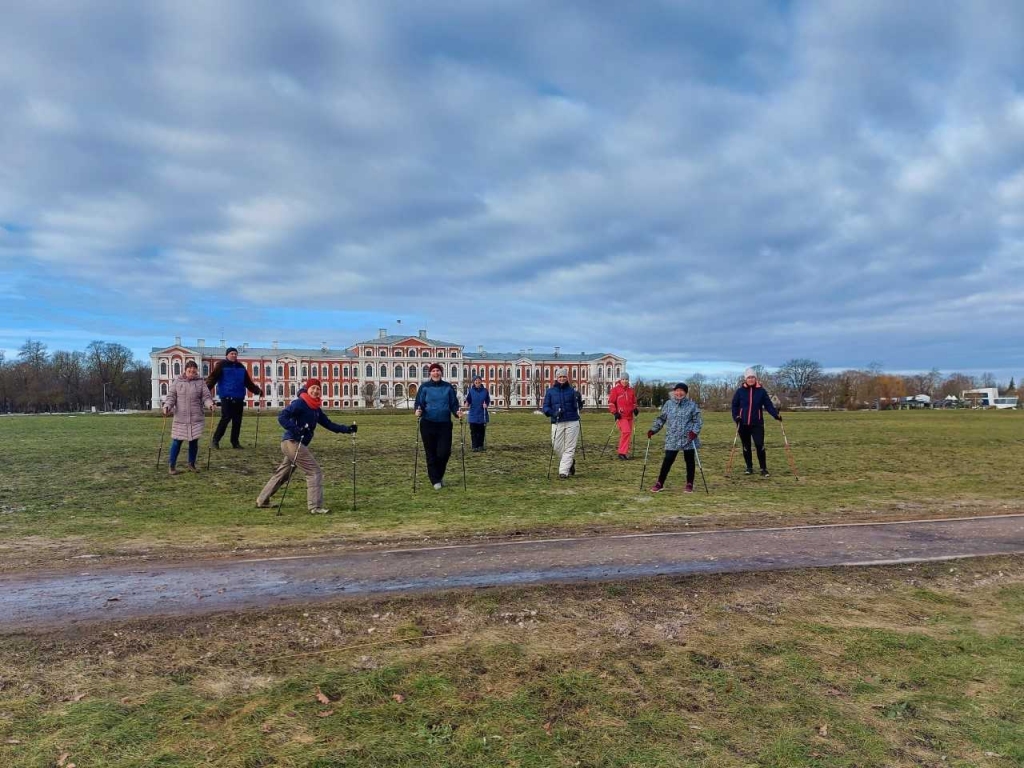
{"points": [[622, 404]]}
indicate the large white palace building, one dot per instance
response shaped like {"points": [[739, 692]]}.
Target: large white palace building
{"points": [[386, 371]]}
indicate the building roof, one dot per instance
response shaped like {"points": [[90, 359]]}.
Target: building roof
{"points": [[392, 339], [306, 353], [582, 357]]}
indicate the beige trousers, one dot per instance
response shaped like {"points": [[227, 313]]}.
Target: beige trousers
{"points": [[564, 437], [305, 462]]}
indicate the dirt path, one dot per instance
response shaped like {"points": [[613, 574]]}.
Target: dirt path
{"points": [[190, 588]]}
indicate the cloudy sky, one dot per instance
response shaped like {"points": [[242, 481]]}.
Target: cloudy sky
{"points": [[693, 185]]}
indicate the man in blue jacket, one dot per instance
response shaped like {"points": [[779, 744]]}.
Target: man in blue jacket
{"points": [[478, 400], [299, 421], [562, 404], [436, 403], [231, 379], [748, 406]]}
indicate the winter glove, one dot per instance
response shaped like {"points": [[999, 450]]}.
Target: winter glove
{"points": [[692, 435], [558, 413], [636, 411], [779, 417], [650, 433], [353, 429], [617, 416]]}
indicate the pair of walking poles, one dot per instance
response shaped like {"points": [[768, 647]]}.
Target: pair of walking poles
{"points": [[696, 455], [632, 438], [416, 449], [295, 460], [785, 443]]}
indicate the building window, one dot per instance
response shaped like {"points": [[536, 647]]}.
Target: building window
{"points": [[440, 353], [177, 368], [369, 352], [384, 389], [344, 390], [291, 371], [382, 353], [413, 372], [369, 371], [206, 369], [280, 390], [455, 353], [163, 367], [399, 391], [399, 371], [337, 389], [304, 373], [266, 370], [465, 371], [455, 371], [293, 390], [337, 370], [383, 371], [346, 403], [491, 375], [256, 369], [163, 389], [315, 372], [547, 371], [280, 371], [425, 353], [345, 371], [398, 353], [618, 372]]}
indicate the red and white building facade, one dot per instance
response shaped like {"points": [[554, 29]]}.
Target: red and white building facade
{"points": [[387, 371]]}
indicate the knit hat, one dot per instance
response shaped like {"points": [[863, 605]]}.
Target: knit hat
{"points": [[750, 372], [435, 367], [312, 383], [229, 350], [682, 385], [561, 372], [624, 376], [478, 377]]}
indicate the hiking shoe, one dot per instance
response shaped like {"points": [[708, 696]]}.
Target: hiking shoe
{"points": [[748, 471], [572, 467], [765, 473], [689, 488], [657, 487], [438, 486], [193, 468], [319, 511], [216, 444], [563, 477], [263, 505], [236, 446], [173, 471], [623, 457]]}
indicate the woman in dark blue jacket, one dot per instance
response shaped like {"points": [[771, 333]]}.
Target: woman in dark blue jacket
{"points": [[436, 403], [299, 421], [478, 400], [562, 404], [748, 406]]}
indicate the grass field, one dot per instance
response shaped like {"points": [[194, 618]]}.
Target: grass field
{"points": [[88, 484], [908, 666]]}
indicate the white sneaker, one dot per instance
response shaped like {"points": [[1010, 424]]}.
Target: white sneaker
{"points": [[319, 511], [438, 486]]}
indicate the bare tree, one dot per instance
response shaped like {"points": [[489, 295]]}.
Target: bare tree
{"points": [[800, 375], [369, 390]]}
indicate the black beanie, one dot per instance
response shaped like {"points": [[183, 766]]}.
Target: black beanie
{"points": [[229, 350]]}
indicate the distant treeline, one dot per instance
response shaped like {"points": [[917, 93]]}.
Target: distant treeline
{"points": [[105, 375], [802, 383]]}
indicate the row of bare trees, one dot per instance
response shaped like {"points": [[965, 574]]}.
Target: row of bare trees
{"points": [[105, 376]]}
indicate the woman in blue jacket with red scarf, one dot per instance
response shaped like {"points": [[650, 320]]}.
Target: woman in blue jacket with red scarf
{"points": [[748, 406], [299, 421]]}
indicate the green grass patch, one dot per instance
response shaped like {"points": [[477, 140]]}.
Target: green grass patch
{"points": [[90, 484]]}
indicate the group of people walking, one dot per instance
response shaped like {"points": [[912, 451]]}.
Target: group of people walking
{"points": [[435, 404]]}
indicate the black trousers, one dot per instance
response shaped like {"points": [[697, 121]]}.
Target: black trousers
{"points": [[437, 446], [476, 434], [689, 456], [230, 411], [755, 431]]}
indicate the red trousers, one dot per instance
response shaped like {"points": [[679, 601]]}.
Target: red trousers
{"points": [[625, 425]]}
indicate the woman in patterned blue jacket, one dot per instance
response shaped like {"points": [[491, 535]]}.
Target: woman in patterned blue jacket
{"points": [[684, 425]]}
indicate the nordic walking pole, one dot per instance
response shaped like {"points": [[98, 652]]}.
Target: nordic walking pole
{"points": [[288, 482], [583, 447], [259, 410], [353, 469], [632, 439], [160, 448], [789, 452], [416, 460], [647, 453], [609, 438], [209, 448], [462, 431], [553, 436], [696, 455], [732, 452]]}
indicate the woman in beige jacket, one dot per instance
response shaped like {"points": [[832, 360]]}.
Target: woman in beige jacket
{"points": [[185, 399]]}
